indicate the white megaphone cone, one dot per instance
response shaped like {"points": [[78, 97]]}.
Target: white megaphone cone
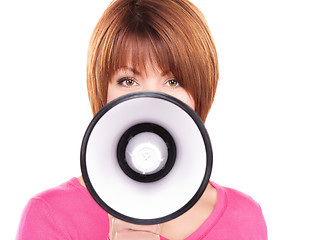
{"points": [[146, 158]]}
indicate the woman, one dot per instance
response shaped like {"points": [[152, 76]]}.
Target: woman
{"points": [[147, 45]]}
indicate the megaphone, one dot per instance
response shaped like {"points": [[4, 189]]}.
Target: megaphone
{"points": [[146, 158]]}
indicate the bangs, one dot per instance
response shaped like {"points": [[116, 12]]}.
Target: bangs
{"points": [[170, 35], [138, 49]]}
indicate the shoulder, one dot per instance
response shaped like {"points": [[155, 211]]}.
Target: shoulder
{"points": [[69, 200], [60, 194], [63, 212], [58, 200], [41, 214], [240, 213], [237, 200]]}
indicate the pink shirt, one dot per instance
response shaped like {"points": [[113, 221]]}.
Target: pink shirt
{"points": [[69, 212]]}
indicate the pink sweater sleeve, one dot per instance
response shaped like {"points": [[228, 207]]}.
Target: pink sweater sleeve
{"points": [[38, 223]]}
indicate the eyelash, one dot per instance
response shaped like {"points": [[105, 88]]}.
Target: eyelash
{"points": [[175, 80], [122, 81]]}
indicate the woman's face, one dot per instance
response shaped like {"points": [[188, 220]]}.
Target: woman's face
{"points": [[128, 80]]}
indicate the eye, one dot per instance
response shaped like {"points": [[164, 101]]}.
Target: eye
{"points": [[127, 82], [172, 83]]}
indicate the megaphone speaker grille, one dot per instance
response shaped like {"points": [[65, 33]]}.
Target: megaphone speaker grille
{"points": [[146, 152]]}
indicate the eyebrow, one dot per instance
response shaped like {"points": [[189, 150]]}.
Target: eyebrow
{"points": [[133, 70]]}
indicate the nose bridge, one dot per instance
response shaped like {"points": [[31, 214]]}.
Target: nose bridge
{"points": [[151, 83]]}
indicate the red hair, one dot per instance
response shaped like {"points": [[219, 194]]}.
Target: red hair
{"points": [[173, 34]]}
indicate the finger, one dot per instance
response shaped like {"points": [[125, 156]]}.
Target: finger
{"points": [[118, 225], [135, 235]]}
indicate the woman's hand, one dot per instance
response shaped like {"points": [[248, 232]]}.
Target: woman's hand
{"points": [[120, 230]]}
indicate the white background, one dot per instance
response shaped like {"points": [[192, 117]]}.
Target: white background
{"points": [[258, 124]]}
